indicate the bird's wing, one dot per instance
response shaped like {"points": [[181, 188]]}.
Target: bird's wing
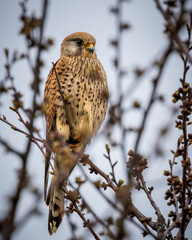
{"points": [[50, 115], [50, 102], [55, 113]]}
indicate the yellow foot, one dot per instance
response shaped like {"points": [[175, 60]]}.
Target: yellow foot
{"points": [[74, 142], [76, 138], [74, 145]]}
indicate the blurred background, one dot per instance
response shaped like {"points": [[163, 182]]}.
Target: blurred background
{"points": [[130, 56]]}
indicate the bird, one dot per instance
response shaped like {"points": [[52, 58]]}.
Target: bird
{"points": [[75, 104]]}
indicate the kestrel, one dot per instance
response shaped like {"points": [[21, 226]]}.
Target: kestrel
{"points": [[75, 100]]}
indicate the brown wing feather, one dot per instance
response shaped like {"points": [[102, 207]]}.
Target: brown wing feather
{"points": [[52, 101], [50, 115]]}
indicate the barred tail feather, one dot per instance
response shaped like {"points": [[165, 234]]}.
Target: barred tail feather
{"points": [[64, 163], [56, 208]]}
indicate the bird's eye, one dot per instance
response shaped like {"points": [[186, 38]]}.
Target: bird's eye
{"points": [[79, 42]]}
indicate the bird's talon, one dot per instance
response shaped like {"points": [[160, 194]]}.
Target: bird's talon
{"points": [[76, 138], [74, 142], [74, 145]]}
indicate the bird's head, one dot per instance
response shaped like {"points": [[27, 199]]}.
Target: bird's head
{"points": [[78, 44]]}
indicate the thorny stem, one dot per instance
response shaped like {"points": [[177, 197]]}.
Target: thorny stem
{"points": [[158, 212], [86, 222], [93, 213], [99, 220], [30, 136], [36, 72], [19, 130], [112, 168], [173, 188], [140, 216], [105, 176], [99, 190], [171, 227], [133, 209], [173, 30], [185, 155], [185, 138]]}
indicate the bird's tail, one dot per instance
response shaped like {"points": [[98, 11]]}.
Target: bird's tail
{"points": [[65, 161], [55, 200]]}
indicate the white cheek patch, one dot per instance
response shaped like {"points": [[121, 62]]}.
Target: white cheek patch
{"points": [[73, 47]]}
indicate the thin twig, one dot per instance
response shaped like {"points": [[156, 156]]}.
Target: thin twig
{"points": [[108, 156], [133, 209], [185, 155], [36, 72], [151, 100], [9, 148], [173, 31], [113, 204], [148, 193], [98, 220], [104, 175], [30, 136], [86, 222], [173, 188], [21, 131]]}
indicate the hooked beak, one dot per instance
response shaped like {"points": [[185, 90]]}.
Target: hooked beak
{"points": [[90, 47]]}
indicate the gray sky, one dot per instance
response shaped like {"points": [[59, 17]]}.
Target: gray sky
{"points": [[140, 46]]}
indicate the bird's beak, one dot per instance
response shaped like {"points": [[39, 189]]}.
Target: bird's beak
{"points": [[90, 47]]}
